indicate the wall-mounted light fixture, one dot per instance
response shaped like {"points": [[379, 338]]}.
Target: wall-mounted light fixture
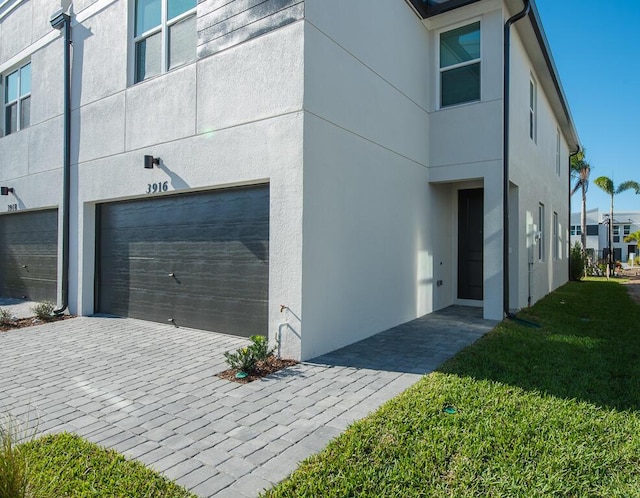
{"points": [[149, 161], [6, 190]]}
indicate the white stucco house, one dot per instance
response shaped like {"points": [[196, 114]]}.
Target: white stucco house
{"points": [[624, 224], [313, 170]]}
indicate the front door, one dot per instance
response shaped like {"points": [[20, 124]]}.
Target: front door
{"points": [[470, 244]]}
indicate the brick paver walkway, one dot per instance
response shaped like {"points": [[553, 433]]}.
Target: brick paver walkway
{"points": [[150, 392]]}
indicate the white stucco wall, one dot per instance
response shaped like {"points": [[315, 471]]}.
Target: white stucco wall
{"points": [[234, 118], [367, 262], [533, 170]]}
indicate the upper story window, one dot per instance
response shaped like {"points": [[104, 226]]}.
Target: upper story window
{"points": [[17, 99], [164, 36], [533, 98], [460, 65]]}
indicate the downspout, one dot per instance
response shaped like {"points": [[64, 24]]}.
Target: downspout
{"points": [[569, 225], [66, 166], [505, 161]]}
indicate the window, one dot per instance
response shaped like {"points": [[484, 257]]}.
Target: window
{"points": [[164, 36], [626, 230], [532, 109], [558, 152], [541, 232], [592, 229], [460, 65], [17, 99], [573, 230], [556, 237], [616, 229]]}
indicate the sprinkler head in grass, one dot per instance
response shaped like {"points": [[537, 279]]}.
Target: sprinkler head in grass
{"points": [[449, 409], [242, 375]]}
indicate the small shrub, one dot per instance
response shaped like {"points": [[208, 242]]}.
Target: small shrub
{"points": [[243, 359], [260, 346], [44, 310], [5, 317], [577, 262]]}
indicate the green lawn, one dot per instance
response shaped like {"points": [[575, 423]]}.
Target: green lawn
{"points": [[66, 465], [553, 411]]}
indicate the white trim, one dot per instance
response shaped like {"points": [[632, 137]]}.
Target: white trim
{"points": [[163, 29], [18, 100], [10, 8], [438, 70]]}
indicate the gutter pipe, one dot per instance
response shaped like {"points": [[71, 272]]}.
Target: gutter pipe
{"points": [[505, 162], [66, 167]]}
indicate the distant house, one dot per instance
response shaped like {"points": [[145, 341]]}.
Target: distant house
{"points": [[624, 223], [313, 170]]}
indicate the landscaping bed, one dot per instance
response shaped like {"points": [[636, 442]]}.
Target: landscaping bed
{"points": [[20, 323]]}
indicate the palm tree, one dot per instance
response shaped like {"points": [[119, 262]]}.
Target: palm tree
{"points": [[580, 170], [606, 184]]}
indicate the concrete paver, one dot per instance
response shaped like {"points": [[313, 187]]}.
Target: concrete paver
{"points": [[149, 391]]}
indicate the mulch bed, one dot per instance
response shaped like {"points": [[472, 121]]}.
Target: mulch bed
{"points": [[262, 369], [20, 323]]}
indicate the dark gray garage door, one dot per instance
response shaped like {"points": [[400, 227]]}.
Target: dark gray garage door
{"points": [[201, 260], [29, 255]]}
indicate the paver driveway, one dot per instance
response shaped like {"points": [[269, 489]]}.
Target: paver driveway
{"points": [[150, 392]]}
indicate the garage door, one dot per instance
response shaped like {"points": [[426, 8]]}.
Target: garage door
{"points": [[29, 255], [197, 260]]}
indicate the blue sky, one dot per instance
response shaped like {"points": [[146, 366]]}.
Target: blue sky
{"points": [[595, 47]]}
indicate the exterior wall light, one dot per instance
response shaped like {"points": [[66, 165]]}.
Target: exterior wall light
{"points": [[6, 190], [149, 161]]}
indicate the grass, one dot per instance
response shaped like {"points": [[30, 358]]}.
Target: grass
{"points": [[65, 465], [14, 468], [539, 412]]}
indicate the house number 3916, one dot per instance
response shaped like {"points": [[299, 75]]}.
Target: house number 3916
{"points": [[12, 207], [153, 188]]}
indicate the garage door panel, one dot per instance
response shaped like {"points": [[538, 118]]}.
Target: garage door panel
{"points": [[216, 246], [28, 255], [232, 316]]}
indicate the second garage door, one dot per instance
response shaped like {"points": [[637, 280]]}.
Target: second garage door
{"points": [[29, 255], [197, 260]]}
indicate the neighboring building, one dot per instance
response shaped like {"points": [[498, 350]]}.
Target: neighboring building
{"points": [[326, 169], [624, 223]]}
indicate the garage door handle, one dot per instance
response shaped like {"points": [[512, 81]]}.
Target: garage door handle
{"points": [[24, 266], [172, 274]]}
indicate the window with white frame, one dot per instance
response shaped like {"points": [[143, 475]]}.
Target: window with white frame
{"points": [[164, 36], [556, 236], [533, 97], [17, 99], [626, 230], [616, 229], [460, 65], [541, 232], [558, 152]]}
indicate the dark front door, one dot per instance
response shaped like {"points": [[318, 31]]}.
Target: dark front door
{"points": [[29, 255], [197, 260], [470, 243]]}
